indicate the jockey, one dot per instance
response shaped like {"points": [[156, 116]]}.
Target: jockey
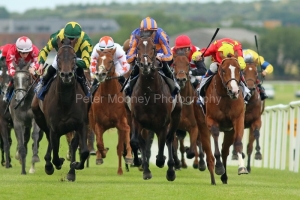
{"points": [[220, 49], [106, 43], [83, 48], [251, 56], [11, 55], [148, 26], [197, 65]]}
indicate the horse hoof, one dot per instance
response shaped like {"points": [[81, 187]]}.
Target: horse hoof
{"points": [[258, 156], [202, 165], [71, 177], [61, 162], [120, 172], [23, 173], [49, 169], [160, 162], [147, 175], [219, 170], [129, 161], [242, 170], [31, 170], [234, 157], [171, 175], [184, 165], [190, 155], [224, 179], [99, 161], [249, 169], [140, 168], [93, 152], [195, 166], [35, 159]]}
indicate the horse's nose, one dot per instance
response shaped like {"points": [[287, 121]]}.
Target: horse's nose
{"points": [[66, 74]]}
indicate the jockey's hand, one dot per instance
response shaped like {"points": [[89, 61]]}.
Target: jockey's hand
{"points": [[31, 70], [264, 73], [158, 58], [11, 72]]}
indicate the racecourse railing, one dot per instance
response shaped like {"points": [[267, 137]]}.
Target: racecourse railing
{"points": [[279, 138]]}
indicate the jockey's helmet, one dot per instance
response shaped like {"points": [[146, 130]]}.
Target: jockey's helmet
{"points": [[72, 30], [226, 49], [148, 24], [106, 42], [182, 41], [24, 44]]}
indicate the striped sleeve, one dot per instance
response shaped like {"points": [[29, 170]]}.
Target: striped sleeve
{"points": [[164, 43], [131, 54], [51, 44]]}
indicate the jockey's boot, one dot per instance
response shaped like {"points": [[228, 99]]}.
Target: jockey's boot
{"points": [[247, 92], [9, 91], [262, 92], [94, 86], [134, 73], [167, 71], [208, 73], [121, 80], [82, 80], [51, 71], [196, 83]]}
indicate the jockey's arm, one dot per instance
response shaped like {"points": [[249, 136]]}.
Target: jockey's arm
{"points": [[122, 67], [10, 60], [86, 50], [163, 41], [131, 54], [200, 69], [94, 58]]}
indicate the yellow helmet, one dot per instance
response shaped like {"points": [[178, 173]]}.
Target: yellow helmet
{"points": [[196, 54], [226, 49], [241, 62]]}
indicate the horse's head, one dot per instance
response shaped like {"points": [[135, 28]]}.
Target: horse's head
{"points": [[181, 67], [251, 74], [229, 72], [146, 54], [106, 66], [22, 79], [66, 60]]}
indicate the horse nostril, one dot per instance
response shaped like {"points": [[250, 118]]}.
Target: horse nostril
{"points": [[185, 79], [70, 74], [97, 73], [103, 74], [62, 74]]}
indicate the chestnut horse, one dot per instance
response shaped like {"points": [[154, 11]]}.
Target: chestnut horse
{"points": [[64, 109], [192, 118], [108, 109], [153, 108], [225, 111], [254, 110]]}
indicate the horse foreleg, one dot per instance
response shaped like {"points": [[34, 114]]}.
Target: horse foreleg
{"points": [[124, 133], [119, 151], [227, 142], [21, 149], [48, 166], [55, 140], [258, 155], [250, 149], [145, 162], [73, 146], [175, 153], [84, 152], [193, 142], [169, 140], [5, 134], [101, 153]]}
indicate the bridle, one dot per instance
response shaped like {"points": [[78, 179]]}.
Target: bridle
{"points": [[220, 70], [62, 75]]}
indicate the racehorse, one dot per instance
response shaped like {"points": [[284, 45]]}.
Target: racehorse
{"points": [[108, 109], [187, 122], [153, 108], [254, 110], [6, 122], [64, 109], [22, 116], [225, 111]]}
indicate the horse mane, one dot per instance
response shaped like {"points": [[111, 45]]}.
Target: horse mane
{"points": [[22, 65]]}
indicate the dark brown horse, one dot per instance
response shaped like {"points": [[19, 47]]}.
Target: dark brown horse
{"points": [[108, 109], [254, 110], [64, 109], [153, 108], [225, 111], [6, 123], [187, 122], [192, 118]]}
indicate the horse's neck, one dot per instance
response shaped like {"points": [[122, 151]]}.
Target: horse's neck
{"points": [[66, 92], [218, 86], [188, 90], [111, 86]]}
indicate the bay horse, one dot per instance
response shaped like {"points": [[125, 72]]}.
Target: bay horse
{"points": [[153, 108], [64, 109], [108, 110], [6, 123], [22, 116], [254, 110], [225, 111], [192, 118]]}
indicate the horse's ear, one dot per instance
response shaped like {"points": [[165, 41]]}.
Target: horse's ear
{"points": [[153, 35], [27, 65]]}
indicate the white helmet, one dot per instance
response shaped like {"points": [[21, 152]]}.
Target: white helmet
{"points": [[24, 44], [106, 42]]}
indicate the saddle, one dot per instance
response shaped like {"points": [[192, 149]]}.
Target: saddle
{"points": [[204, 84], [44, 89]]}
